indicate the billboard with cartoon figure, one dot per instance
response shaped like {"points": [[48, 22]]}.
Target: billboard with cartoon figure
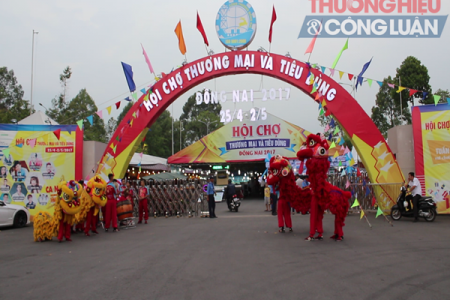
{"points": [[431, 125], [33, 161]]}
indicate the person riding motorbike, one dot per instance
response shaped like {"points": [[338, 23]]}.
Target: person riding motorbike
{"points": [[230, 192], [416, 194]]}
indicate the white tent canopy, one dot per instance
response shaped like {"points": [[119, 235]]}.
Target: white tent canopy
{"points": [[38, 118], [147, 160]]}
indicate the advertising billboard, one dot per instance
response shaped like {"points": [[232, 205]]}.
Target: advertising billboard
{"points": [[431, 125], [33, 161]]}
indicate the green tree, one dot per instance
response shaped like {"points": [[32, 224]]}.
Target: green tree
{"points": [[59, 104], [199, 120], [412, 74], [12, 105], [110, 128], [386, 113], [79, 108]]}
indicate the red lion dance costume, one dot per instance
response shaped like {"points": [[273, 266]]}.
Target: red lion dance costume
{"points": [[282, 179], [325, 196]]}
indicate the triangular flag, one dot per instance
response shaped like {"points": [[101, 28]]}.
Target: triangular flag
{"points": [[436, 99], [140, 169], [57, 133], [134, 114], [330, 137], [127, 99], [331, 72], [20, 145], [424, 94], [347, 150], [109, 110], [323, 69], [350, 76], [91, 119], [134, 96], [6, 152], [333, 145], [336, 131], [358, 172], [332, 124], [32, 143], [323, 102], [379, 212], [341, 74], [327, 128], [336, 154], [374, 201], [369, 81], [412, 92], [143, 91], [380, 83], [117, 138], [117, 105], [140, 154], [111, 146], [400, 89], [80, 124], [321, 112], [313, 89], [114, 149], [100, 114], [340, 164], [347, 185], [352, 162], [391, 85], [131, 123], [356, 203], [362, 214]]}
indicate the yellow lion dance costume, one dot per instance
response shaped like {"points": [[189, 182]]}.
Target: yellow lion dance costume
{"points": [[67, 205], [92, 198]]}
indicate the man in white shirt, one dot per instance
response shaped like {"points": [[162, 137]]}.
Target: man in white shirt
{"points": [[416, 193]]}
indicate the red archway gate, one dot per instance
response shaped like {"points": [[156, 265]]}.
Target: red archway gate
{"points": [[376, 155]]}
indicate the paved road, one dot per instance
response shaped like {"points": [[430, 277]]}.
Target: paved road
{"points": [[237, 256]]}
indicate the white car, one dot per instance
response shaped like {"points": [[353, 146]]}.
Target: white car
{"points": [[13, 215]]}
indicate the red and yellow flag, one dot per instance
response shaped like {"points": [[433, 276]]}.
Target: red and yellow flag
{"points": [[179, 33]]}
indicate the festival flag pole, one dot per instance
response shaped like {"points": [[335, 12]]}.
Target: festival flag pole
{"points": [[274, 18], [203, 33], [181, 44]]}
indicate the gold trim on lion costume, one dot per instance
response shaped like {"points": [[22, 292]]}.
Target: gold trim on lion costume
{"points": [[67, 201], [93, 195]]}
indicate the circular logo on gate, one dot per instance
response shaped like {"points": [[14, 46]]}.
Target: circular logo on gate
{"points": [[236, 24]]}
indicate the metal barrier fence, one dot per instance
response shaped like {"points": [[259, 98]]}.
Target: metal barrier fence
{"points": [[369, 195]]}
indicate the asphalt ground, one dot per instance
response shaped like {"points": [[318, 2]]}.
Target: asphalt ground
{"points": [[236, 256]]}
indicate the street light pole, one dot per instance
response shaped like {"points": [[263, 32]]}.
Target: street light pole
{"points": [[32, 67], [207, 125]]}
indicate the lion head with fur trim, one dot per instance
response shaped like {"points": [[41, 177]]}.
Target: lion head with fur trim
{"points": [[96, 188], [69, 193]]}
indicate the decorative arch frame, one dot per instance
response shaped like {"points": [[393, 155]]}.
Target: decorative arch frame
{"points": [[380, 163]]}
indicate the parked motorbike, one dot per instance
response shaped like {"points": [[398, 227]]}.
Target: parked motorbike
{"points": [[427, 208]]}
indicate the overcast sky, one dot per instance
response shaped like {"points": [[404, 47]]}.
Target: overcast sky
{"points": [[93, 37]]}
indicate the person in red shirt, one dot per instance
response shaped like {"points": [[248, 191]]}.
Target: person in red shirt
{"points": [[143, 208], [111, 207]]}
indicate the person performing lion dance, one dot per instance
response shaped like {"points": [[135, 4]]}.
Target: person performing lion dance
{"points": [[67, 205], [325, 195], [282, 178], [92, 198]]}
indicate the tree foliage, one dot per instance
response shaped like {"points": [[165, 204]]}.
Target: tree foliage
{"points": [[198, 119], [81, 107], [412, 74], [59, 104], [110, 128], [386, 112], [12, 105]]}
